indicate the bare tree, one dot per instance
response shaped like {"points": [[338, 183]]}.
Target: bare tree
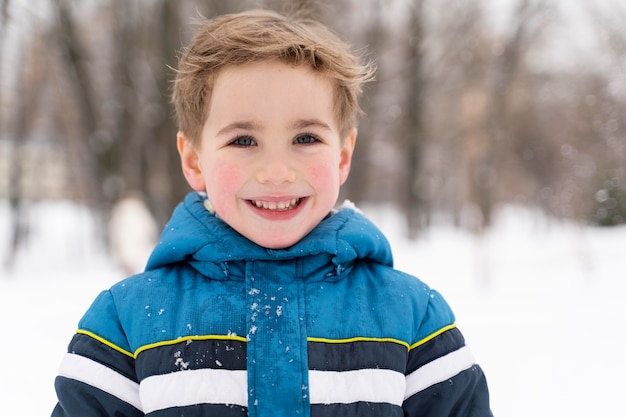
{"points": [[25, 107], [609, 183], [508, 70], [4, 21], [373, 37], [80, 84], [412, 138]]}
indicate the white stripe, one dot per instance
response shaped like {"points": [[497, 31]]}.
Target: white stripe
{"points": [[99, 376], [371, 385], [439, 370], [199, 386]]}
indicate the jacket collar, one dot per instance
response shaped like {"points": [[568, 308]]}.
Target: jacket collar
{"points": [[197, 236]]}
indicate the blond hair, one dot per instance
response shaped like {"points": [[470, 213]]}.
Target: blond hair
{"points": [[258, 35]]}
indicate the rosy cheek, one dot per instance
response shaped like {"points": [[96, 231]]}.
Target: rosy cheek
{"points": [[323, 175], [223, 182]]}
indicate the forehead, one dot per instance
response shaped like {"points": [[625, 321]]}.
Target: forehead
{"points": [[269, 75], [268, 90]]}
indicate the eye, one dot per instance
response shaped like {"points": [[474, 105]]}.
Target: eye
{"points": [[306, 139], [243, 141]]}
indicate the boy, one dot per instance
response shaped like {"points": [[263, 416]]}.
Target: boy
{"points": [[260, 299]]}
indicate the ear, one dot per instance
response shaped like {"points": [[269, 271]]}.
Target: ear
{"points": [[190, 161], [345, 156]]}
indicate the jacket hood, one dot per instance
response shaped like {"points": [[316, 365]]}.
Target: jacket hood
{"points": [[197, 236]]}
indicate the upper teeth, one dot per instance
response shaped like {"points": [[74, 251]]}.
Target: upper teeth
{"points": [[276, 205]]}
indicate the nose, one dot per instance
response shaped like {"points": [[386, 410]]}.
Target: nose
{"points": [[276, 168]]}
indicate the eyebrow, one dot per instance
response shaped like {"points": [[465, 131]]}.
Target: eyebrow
{"points": [[307, 123], [297, 125], [238, 126]]}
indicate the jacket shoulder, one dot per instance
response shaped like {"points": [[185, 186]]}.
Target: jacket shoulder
{"points": [[377, 302], [101, 321], [119, 316], [428, 309]]}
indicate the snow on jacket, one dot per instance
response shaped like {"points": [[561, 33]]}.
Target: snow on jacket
{"points": [[218, 326]]}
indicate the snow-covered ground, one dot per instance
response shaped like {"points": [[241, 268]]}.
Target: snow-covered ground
{"points": [[539, 301]]}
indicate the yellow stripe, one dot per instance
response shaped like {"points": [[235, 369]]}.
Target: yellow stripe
{"points": [[243, 339], [104, 341], [358, 339], [432, 336], [186, 338], [163, 343]]}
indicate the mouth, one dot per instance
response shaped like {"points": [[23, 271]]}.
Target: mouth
{"points": [[283, 205]]}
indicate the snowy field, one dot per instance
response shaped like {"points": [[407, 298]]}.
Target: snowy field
{"points": [[540, 302]]}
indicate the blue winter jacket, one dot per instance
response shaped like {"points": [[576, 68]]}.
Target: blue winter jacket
{"points": [[218, 326]]}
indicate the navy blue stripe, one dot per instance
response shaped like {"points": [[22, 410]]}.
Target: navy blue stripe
{"points": [[356, 409], [192, 354], [79, 399], [465, 395], [357, 355], [204, 410], [91, 348], [446, 342]]}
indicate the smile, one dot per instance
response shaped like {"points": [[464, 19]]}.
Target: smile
{"points": [[277, 205]]}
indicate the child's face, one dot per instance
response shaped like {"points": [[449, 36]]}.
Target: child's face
{"points": [[271, 157]]}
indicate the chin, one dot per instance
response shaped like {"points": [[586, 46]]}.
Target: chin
{"points": [[278, 240], [281, 244]]}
